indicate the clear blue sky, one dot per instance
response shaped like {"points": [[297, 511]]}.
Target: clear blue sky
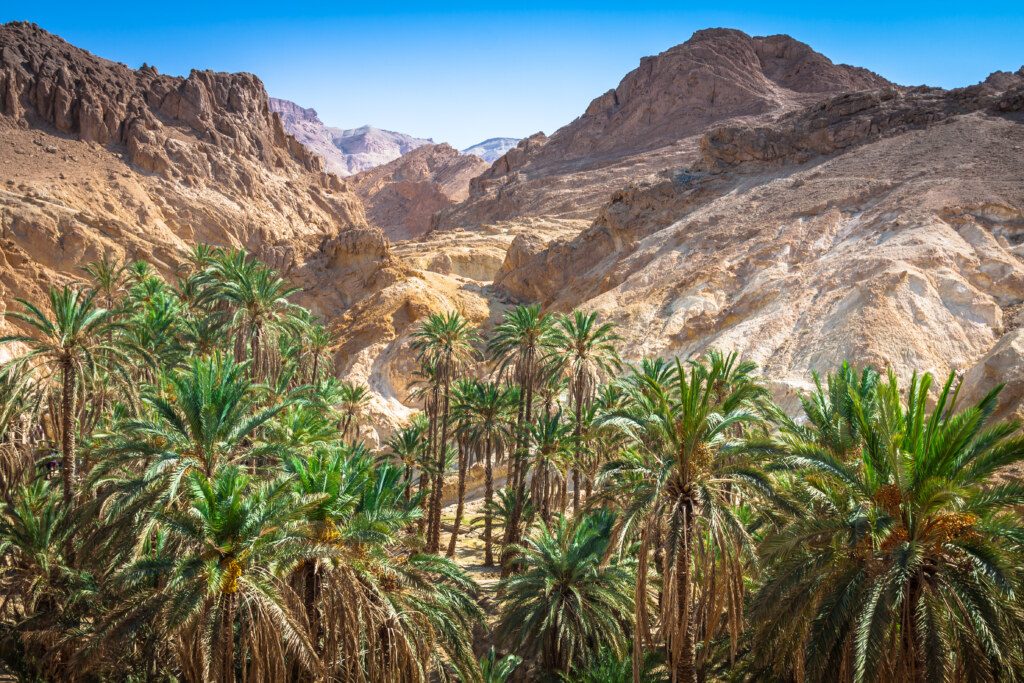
{"points": [[461, 73]]}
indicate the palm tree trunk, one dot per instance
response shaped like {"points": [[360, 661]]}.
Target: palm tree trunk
{"points": [[488, 497], [578, 448], [435, 535], [67, 409], [407, 480], [227, 638], [463, 465], [427, 520], [685, 668]]}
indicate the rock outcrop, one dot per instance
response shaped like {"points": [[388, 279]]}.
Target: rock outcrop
{"points": [[100, 159], [401, 196], [343, 151]]}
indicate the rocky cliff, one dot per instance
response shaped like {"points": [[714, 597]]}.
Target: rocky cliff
{"points": [[98, 158]]}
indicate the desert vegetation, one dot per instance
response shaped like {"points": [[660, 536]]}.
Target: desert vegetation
{"points": [[187, 494]]}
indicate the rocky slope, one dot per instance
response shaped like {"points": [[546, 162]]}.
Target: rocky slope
{"points": [[651, 121], [492, 149], [344, 151], [884, 226], [401, 196]]}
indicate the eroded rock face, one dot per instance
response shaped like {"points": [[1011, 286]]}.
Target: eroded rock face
{"points": [[652, 121], [401, 196], [98, 158], [883, 227]]}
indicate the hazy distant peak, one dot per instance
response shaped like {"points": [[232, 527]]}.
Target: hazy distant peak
{"points": [[491, 149], [344, 150]]}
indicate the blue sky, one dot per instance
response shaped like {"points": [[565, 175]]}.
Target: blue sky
{"points": [[463, 72]]}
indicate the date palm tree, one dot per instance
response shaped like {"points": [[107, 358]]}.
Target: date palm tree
{"points": [[684, 474], [445, 342], [75, 342], [551, 450], [206, 420], [486, 418], [566, 602], [223, 599], [258, 299], [406, 449], [585, 352], [909, 567], [352, 401], [518, 346]]}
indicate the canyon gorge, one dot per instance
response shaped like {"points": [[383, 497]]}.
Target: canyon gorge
{"points": [[737, 192]]}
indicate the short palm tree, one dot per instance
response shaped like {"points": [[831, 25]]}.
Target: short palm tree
{"points": [[495, 669], [352, 401], [909, 567], [74, 342], [222, 598], [566, 602], [405, 448], [108, 279], [207, 419]]}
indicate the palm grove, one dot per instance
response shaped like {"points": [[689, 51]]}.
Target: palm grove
{"points": [[186, 496]]}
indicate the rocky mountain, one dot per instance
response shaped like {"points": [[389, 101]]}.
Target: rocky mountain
{"points": [[884, 226], [491, 149], [344, 151], [100, 159], [653, 120], [401, 196]]}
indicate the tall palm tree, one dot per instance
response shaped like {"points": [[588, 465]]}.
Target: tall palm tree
{"points": [[76, 341], [585, 351], [567, 602], [551, 450], [486, 419], [462, 394], [684, 473], [909, 567], [444, 341], [518, 346]]}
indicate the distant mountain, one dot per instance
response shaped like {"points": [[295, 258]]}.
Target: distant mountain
{"points": [[344, 151], [491, 150]]}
